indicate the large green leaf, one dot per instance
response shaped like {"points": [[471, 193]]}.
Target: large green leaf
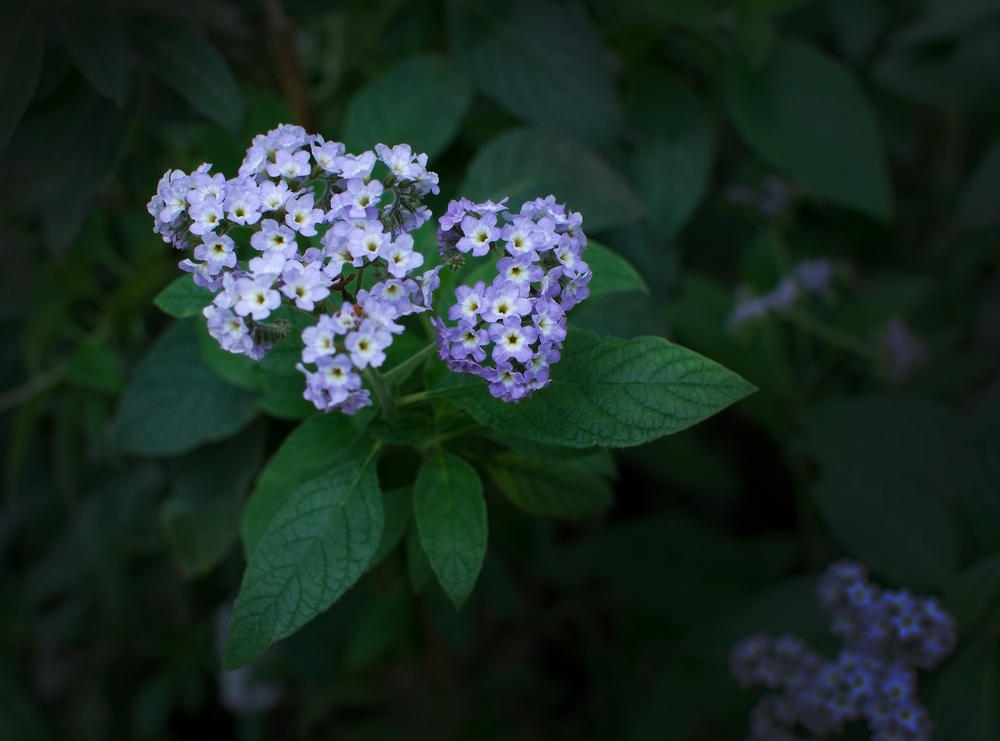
{"points": [[420, 102], [175, 401], [531, 163], [201, 517], [966, 703], [558, 488], [311, 448], [97, 45], [541, 62], [21, 49], [887, 471], [673, 165], [318, 544], [192, 66], [610, 392], [450, 513], [612, 272], [182, 298], [280, 383], [806, 114]]}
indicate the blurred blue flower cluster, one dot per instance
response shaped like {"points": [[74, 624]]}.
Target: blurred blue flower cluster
{"points": [[887, 635]]}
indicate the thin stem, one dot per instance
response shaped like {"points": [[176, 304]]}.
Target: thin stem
{"points": [[33, 386], [831, 334], [404, 368], [385, 399], [416, 398]]}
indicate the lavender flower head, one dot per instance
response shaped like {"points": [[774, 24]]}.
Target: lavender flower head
{"points": [[511, 331], [887, 635], [318, 219]]}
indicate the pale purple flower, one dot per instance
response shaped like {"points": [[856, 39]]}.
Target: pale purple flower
{"points": [[256, 297], [320, 339], [502, 300], [479, 234], [327, 155], [305, 285], [366, 344], [274, 237], [400, 256], [356, 166], [205, 216], [511, 340], [357, 199], [366, 243], [243, 201], [217, 252], [274, 195], [302, 217], [289, 164], [469, 302]]}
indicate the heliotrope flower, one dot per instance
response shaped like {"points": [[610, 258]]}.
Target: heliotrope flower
{"points": [[303, 252], [510, 331], [887, 635]]}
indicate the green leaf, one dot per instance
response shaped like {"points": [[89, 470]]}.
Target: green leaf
{"points": [[318, 544], [97, 46], [420, 102], [175, 402], [556, 488], [21, 49], [612, 272], [806, 114], [280, 383], [311, 448], [887, 467], [531, 163], [450, 512], [610, 392], [182, 298], [966, 703], [674, 164], [541, 62], [397, 505], [193, 67], [201, 517], [96, 366]]}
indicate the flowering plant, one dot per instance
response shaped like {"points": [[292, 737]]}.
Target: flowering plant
{"points": [[314, 248]]}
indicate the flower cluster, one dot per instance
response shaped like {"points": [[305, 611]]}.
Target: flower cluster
{"points": [[810, 276], [510, 331], [317, 219], [887, 635]]}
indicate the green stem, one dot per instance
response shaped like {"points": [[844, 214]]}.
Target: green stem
{"points": [[413, 398], [404, 368], [385, 399], [831, 334], [29, 389]]}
